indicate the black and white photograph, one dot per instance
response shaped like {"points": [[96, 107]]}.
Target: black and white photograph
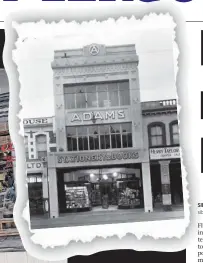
{"points": [[100, 122]]}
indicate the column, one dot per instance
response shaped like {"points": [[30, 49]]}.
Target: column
{"points": [[147, 187], [45, 183], [165, 182], [53, 193]]}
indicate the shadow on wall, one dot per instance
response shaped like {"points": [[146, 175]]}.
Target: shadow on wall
{"points": [[131, 256]]}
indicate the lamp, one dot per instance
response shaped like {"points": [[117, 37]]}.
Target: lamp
{"points": [[105, 177]]}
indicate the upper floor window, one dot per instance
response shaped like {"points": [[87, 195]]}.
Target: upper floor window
{"points": [[157, 134], [97, 95], [174, 132], [95, 137], [41, 142]]}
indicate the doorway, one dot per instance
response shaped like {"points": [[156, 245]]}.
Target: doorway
{"points": [[35, 193], [176, 183]]}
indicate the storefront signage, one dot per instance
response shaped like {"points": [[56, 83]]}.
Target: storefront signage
{"points": [[36, 121], [164, 153], [100, 157], [88, 116], [34, 166]]}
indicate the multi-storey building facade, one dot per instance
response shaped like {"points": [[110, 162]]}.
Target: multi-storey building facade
{"points": [[105, 139]]}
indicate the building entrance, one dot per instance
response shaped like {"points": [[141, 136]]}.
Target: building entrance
{"points": [[176, 183], [103, 188], [35, 193]]}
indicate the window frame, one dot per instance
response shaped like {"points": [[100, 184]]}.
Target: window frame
{"points": [[99, 136], [163, 127], [171, 124], [85, 85]]}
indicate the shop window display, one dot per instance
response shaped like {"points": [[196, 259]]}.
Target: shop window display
{"points": [[107, 188]]}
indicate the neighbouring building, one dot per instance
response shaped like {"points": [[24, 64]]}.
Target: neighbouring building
{"points": [[103, 141], [6, 149]]}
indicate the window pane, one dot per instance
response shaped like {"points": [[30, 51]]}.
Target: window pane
{"points": [[104, 129], [80, 143], [69, 101], [81, 100], [70, 147], [91, 96], [126, 127], [85, 143], [71, 131], [107, 140], [130, 144], [74, 144], [69, 90], [115, 128], [125, 142], [113, 141], [41, 139], [175, 128], [102, 95], [102, 141], [113, 94], [175, 138], [118, 141], [82, 130], [156, 130], [124, 93], [156, 140], [93, 129]]}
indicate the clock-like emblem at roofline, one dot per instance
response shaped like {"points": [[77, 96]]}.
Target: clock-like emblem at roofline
{"points": [[94, 49]]}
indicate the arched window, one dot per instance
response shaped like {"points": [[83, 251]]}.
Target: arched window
{"points": [[156, 134], [174, 132]]}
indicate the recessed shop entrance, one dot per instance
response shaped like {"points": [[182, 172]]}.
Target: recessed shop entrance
{"points": [[100, 189], [35, 192], [175, 183]]}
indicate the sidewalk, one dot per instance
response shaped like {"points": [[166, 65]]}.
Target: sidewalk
{"points": [[106, 216]]}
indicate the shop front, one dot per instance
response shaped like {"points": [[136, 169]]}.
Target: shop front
{"points": [[37, 187], [166, 176], [108, 180]]}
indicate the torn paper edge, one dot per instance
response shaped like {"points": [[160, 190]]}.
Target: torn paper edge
{"points": [[37, 250]]}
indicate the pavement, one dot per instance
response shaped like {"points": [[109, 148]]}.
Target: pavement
{"points": [[100, 216], [106, 216]]}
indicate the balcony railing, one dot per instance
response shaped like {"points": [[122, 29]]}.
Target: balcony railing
{"points": [[5, 140], [157, 105]]}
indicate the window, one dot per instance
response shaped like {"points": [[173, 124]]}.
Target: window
{"points": [[104, 137], [124, 93], [156, 133], [32, 178], [72, 138], [42, 154], [115, 131], [41, 141], [126, 135], [82, 138], [97, 95], [95, 137], [174, 132]]}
